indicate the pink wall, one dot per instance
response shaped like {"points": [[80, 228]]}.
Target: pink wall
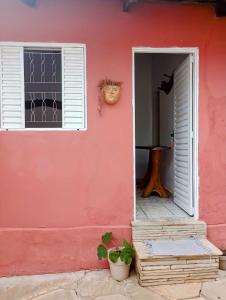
{"points": [[61, 190]]}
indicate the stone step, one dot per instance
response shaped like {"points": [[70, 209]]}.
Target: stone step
{"points": [[168, 228], [170, 261]]}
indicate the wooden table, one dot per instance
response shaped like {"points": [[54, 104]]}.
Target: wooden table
{"points": [[152, 179]]}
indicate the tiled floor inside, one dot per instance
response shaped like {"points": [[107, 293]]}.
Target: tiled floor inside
{"points": [[155, 207]]}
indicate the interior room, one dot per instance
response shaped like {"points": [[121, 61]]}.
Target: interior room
{"points": [[43, 88], [154, 134]]}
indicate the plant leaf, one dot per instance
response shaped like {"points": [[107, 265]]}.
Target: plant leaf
{"points": [[126, 257], [126, 243], [127, 254], [107, 237], [114, 256], [128, 260], [102, 251]]}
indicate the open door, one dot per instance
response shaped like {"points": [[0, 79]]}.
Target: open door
{"points": [[183, 135]]}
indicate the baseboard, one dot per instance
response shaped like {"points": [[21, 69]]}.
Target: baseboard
{"points": [[55, 250]]}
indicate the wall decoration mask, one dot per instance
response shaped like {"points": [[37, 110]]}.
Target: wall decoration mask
{"points": [[109, 92]]}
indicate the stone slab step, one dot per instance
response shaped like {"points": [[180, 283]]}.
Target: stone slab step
{"points": [[168, 228], [169, 282], [161, 262]]}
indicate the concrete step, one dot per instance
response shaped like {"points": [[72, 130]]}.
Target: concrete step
{"points": [[176, 261], [173, 251], [168, 228]]}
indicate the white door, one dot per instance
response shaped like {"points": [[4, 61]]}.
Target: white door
{"points": [[183, 81]]}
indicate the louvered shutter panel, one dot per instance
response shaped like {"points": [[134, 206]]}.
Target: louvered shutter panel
{"points": [[12, 87], [183, 136], [73, 87]]}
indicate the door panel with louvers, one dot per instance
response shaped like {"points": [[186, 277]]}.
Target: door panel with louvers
{"points": [[183, 136], [73, 88], [12, 87]]}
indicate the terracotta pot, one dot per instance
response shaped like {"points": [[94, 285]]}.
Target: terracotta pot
{"points": [[222, 265], [119, 270]]}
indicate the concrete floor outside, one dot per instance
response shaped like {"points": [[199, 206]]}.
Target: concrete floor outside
{"points": [[98, 285]]}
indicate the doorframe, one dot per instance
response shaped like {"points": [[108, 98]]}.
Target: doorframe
{"points": [[195, 55]]}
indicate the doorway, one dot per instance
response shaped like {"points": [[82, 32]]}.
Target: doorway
{"points": [[165, 126]]}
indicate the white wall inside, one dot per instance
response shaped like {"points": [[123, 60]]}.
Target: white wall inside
{"points": [[166, 64], [149, 72], [143, 109]]}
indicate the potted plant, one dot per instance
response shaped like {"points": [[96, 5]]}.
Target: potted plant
{"points": [[222, 265], [119, 258]]}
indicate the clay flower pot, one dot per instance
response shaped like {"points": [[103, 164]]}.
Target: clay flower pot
{"points": [[119, 270], [119, 258]]}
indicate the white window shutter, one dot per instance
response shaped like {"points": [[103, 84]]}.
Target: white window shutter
{"points": [[12, 87], [73, 88]]}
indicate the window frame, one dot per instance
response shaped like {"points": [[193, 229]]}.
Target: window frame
{"points": [[51, 45]]}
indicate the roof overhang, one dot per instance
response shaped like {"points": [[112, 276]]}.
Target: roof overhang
{"points": [[220, 5], [31, 3]]}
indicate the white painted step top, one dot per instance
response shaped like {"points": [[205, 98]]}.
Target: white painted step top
{"points": [[167, 221], [189, 247]]}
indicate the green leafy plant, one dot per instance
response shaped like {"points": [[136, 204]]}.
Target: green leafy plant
{"points": [[125, 252]]}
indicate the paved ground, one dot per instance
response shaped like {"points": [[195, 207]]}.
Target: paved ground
{"points": [[98, 285]]}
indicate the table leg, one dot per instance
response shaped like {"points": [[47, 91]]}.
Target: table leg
{"points": [[154, 184]]}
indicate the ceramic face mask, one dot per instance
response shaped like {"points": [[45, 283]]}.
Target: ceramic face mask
{"points": [[111, 93]]}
